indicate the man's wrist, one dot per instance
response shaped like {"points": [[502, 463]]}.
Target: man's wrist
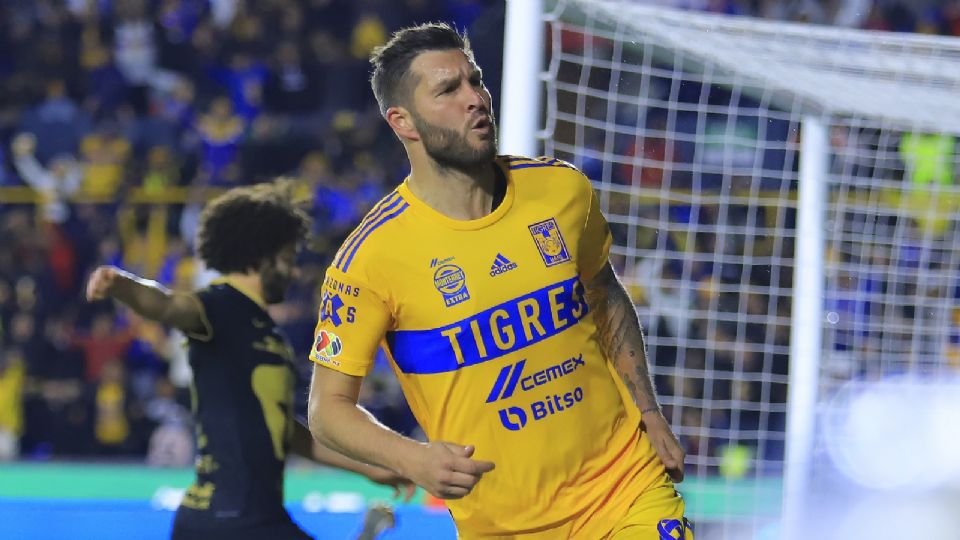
{"points": [[655, 408], [405, 454]]}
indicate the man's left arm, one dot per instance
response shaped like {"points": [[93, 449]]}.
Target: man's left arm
{"points": [[622, 342]]}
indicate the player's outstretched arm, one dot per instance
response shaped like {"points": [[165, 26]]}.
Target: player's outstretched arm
{"points": [[444, 469], [148, 298], [304, 445], [621, 338]]}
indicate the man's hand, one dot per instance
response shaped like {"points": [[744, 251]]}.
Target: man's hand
{"points": [[23, 144], [401, 486], [102, 279], [446, 470], [665, 443]]}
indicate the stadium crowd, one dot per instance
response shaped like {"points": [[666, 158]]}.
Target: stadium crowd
{"points": [[122, 116]]}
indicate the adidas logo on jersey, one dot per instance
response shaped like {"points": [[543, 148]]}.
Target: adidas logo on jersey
{"points": [[500, 265]]}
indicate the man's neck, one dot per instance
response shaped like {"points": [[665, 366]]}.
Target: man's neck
{"points": [[455, 193]]}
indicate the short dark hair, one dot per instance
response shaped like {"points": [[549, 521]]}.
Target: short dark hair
{"points": [[391, 78], [248, 225]]}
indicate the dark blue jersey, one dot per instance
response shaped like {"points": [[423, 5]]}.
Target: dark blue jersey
{"points": [[243, 382]]}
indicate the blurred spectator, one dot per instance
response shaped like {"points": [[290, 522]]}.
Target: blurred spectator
{"points": [[57, 121], [929, 160], [104, 344], [55, 185], [55, 408], [171, 444], [134, 43], [243, 78], [290, 88], [111, 424], [11, 410], [220, 131], [106, 153], [162, 171], [106, 85], [652, 154]]}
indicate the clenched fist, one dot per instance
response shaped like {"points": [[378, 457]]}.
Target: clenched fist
{"points": [[101, 280], [447, 471]]}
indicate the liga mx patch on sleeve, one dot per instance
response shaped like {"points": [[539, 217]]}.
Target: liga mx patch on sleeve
{"points": [[549, 242], [326, 347]]}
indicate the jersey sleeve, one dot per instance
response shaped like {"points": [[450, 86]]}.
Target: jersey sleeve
{"points": [[595, 239], [352, 321], [206, 300]]}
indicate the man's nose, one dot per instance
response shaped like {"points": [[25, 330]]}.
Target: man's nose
{"points": [[476, 99]]}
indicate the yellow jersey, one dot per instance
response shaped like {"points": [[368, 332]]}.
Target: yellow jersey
{"points": [[486, 326]]}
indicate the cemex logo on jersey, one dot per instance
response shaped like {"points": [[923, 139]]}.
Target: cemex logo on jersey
{"points": [[512, 374], [515, 418], [501, 265]]}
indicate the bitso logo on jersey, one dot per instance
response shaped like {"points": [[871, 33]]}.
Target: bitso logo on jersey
{"points": [[500, 265], [450, 280], [511, 376], [547, 236], [327, 346]]}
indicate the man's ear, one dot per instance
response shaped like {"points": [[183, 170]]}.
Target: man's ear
{"points": [[401, 121]]}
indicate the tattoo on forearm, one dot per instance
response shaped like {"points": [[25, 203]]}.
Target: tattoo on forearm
{"points": [[620, 335]]}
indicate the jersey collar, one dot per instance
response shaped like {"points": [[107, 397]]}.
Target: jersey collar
{"points": [[463, 225], [246, 291]]}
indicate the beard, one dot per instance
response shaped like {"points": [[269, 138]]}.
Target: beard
{"points": [[451, 149], [274, 284]]}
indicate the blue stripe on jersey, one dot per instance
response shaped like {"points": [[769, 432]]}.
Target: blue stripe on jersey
{"points": [[375, 211], [371, 216], [388, 214], [492, 333], [374, 214], [528, 165]]}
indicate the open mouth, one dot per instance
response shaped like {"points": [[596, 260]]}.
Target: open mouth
{"points": [[482, 124]]}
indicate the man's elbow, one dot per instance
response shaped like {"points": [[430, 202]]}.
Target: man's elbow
{"points": [[321, 416], [315, 420]]}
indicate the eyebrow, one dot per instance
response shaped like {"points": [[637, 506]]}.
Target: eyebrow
{"points": [[446, 81]]}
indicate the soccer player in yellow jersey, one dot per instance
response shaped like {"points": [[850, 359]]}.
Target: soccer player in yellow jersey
{"points": [[486, 281]]}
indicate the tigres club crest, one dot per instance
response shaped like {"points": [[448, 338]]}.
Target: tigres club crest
{"points": [[549, 242]]}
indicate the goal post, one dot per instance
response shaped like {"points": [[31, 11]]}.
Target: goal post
{"points": [[783, 200]]}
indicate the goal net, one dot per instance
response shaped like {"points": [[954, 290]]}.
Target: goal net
{"points": [[700, 135]]}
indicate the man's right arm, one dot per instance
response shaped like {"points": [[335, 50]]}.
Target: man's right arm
{"points": [[444, 469], [148, 298]]}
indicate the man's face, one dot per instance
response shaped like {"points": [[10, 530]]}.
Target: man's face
{"points": [[451, 110], [277, 273]]}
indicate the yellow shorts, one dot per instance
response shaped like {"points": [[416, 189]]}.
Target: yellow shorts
{"points": [[655, 515]]}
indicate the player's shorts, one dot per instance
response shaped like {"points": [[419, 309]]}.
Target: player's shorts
{"points": [[655, 515]]}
